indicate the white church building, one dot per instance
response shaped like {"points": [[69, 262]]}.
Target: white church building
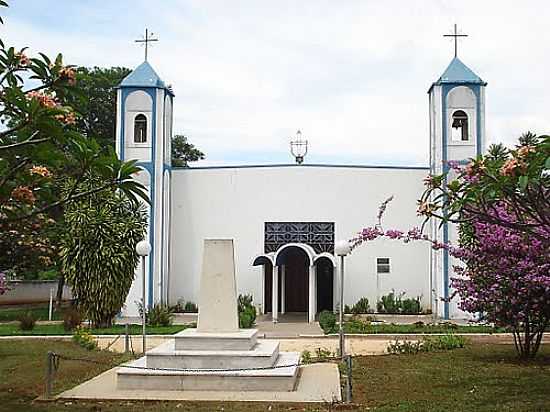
{"points": [[285, 218]]}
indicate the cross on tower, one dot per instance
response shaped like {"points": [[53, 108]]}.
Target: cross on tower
{"points": [[456, 36], [146, 40]]}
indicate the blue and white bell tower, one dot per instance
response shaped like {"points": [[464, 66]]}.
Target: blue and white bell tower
{"points": [[457, 133], [144, 133]]}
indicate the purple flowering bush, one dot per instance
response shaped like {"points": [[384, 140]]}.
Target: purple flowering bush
{"points": [[501, 202], [506, 277]]}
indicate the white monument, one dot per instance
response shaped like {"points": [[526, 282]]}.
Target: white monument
{"points": [[217, 355]]}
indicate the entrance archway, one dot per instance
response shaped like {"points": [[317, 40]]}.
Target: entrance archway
{"points": [[294, 263], [290, 282]]}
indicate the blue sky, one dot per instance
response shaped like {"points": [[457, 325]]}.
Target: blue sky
{"points": [[352, 75]]}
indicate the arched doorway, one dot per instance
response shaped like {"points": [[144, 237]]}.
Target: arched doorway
{"points": [[291, 284], [295, 262]]}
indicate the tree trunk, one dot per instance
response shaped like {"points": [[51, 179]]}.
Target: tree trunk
{"points": [[59, 294]]}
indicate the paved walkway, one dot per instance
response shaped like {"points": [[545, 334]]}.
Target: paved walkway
{"points": [[290, 325]]}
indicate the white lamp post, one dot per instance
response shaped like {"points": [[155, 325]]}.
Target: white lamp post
{"points": [[342, 248], [143, 248]]}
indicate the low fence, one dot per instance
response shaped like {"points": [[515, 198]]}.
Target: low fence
{"points": [[32, 291]]}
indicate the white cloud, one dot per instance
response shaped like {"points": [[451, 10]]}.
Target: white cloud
{"points": [[352, 75]]}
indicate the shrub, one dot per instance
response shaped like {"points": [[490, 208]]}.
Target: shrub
{"points": [[404, 347], [84, 338], [179, 307], [306, 356], [247, 311], [390, 303], [98, 251], [327, 321], [410, 306], [427, 344], [347, 309], [190, 307], [444, 342], [323, 354], [362, 306], [71, 319], [159, 315], [27, 321], [247, 318]]}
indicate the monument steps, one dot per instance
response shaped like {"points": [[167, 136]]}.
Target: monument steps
{"points": [[263, 354], [192, 339], [238, 361], [279, 378]]}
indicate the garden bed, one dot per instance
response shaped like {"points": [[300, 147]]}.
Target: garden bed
{"points": [[12, 329]]}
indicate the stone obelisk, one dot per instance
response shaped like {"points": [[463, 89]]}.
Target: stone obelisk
{"points": [[218, 310]]}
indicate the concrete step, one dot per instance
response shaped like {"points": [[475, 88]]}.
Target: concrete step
{"points": [[191, 339], [264, 354], [281, 379]]}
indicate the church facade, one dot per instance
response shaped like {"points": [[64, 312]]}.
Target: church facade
{"points": [[285, 218]]}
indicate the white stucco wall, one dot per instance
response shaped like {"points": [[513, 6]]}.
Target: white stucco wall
{"points": [[235, 202]]}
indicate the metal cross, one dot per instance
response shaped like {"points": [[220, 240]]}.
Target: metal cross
{"points": [[456, 36], [147, 39]]}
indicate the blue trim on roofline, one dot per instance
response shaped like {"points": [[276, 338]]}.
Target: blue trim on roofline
{"points": [[178, 168]]}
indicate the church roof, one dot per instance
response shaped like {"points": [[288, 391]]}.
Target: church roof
{"points": [[143, 76], [458, 72]]}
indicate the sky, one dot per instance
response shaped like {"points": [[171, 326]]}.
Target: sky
{"points": [[351, 75]]}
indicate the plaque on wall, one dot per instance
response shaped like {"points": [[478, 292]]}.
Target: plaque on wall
{"points": [[319, 235]]}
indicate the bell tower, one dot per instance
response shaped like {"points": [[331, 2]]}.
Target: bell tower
{"points": [[457, 133], [144, 133]]}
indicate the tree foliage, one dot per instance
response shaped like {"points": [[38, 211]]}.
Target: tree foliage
{"points": [[96, 102], [42, 150], [519, 177], [39, 145], [184, 152], [506, 278], [98, 252], [501, 202]]}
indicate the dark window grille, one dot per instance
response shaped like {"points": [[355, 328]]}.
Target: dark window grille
{"points": [[382, 265], [319, 235]]}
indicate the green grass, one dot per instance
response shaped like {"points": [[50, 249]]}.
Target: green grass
{"points": [[57, 329], [476, 378], [362, 327], [39, 312]]}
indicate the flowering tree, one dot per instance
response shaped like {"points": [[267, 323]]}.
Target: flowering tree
{"points": [[501, 203], [39, 147], [41, 151], [520, 178]]}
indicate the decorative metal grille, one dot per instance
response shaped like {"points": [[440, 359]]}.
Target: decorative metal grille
{"points": [[319, 235]]}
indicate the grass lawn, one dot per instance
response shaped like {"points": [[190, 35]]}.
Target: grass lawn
{"points": [[57, 329], [477, 378], [39, 312]]}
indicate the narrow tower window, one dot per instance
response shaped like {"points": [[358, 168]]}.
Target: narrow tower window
{"points": [[459, 129], [140, 129]]}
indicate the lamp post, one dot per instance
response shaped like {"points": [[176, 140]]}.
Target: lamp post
{"points": [[342, 249], [143, 248], [298, 148]]}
